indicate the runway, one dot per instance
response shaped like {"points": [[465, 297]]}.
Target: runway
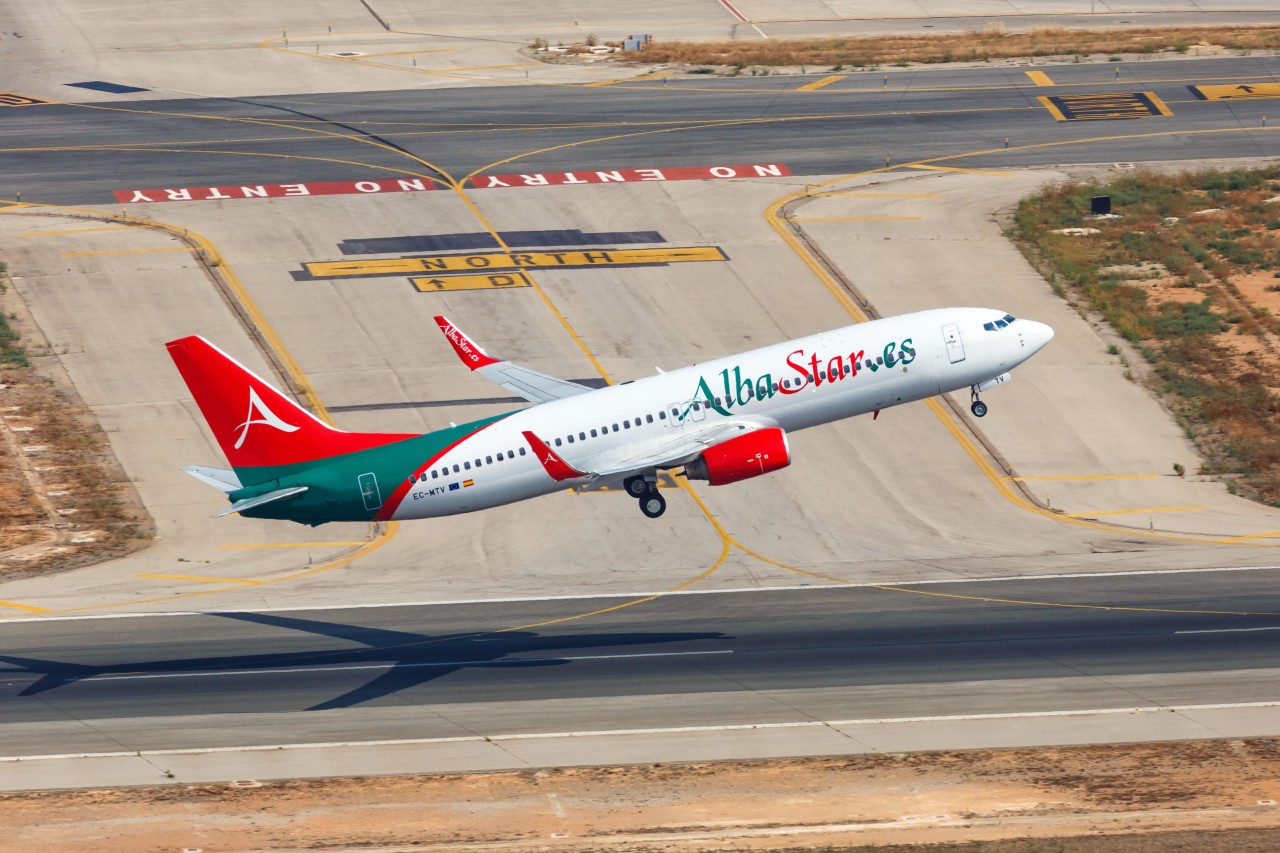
{"points": [[79, 154]]}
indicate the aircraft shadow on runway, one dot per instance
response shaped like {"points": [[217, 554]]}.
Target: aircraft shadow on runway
{"points": [[413, 658]]}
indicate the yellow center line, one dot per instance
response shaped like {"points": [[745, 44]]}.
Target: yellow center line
{"points": [[958, 169], [1133, 511], [75, 230], [1040, 78], [876, 195], [1269, 535], [125, 252], [1088, 477], [855, 218], [488, 67], [818, 84], [201, 579], [29, 608], [299, 545]]}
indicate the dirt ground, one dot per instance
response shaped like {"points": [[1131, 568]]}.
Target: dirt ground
{"points": [[1194, 796]]}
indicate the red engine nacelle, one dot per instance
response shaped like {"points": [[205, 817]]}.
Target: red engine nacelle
{"points": [[741, 458]]}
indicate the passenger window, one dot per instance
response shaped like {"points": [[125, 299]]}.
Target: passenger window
{"points": [[477, 463], [662, 416], [594, 433], [615, 427], [857, 365], [522, 451], [582, 436], [488, 460], [466, 465], [435, 474], [626, 424], [455, 469], [571, 438], [675, 413], [648, 419]]}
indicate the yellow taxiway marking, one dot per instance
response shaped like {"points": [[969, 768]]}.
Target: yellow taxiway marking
{"points": [[13, 99], [488, 67], [125, 252], [75, 230], [299, 545], [1269, 535], [1088, 477], [877, 195], [1040, 78], [496, 281], [29, 608], [1134, 511], [855, 218], [514, 260], [1236, 91], [200, 579], [929, 168], [818, 84]]}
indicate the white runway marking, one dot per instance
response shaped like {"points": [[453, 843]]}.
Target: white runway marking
{"points": [[1229, 630]]}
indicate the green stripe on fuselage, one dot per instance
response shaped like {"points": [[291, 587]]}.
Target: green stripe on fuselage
{"points": [[333, 484]]}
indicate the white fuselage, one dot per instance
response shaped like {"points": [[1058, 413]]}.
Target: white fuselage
{"points": [[792, 385]]}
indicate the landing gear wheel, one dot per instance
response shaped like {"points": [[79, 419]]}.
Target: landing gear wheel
{"points": [[653, 504], [978, 408], [635, 486]]}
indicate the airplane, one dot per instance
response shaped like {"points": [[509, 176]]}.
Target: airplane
{"points": [[720, 421]]}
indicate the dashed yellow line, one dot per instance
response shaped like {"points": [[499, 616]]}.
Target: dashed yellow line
{"points": [[402, 53], [298, 545], [201, 579], [855, 218], [657, 75], [1040, 78], [818, 84], [1147, 509], [1088, 477], [125, 252]]}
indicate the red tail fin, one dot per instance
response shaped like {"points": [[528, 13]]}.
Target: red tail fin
{"points": [[254, 423]]}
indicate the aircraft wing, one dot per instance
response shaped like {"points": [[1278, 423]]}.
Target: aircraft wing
{"points": [[670, 453], [533, 386]]}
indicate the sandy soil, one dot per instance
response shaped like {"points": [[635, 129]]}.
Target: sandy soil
{"points": [[1198, 790]]}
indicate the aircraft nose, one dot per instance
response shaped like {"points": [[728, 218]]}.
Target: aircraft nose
{"points": [[1038, 334]]}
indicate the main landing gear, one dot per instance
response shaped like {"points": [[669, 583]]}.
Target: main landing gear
{"points": [[652, 503], [978, 407]]}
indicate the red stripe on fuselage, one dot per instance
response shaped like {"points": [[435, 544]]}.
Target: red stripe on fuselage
{"points": [[392, 504]]}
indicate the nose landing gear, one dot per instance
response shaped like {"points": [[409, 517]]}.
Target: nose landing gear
{"points": [[978, 407]]}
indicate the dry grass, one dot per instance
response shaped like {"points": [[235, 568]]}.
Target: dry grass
{"points": [[1214, 349], [991, 42]]}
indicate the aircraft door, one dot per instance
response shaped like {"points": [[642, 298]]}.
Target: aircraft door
{"points": [[688, 412], [369, 491], [955, 346]]}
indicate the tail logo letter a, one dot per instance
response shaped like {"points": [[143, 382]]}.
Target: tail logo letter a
{"points": [[265, 417]]}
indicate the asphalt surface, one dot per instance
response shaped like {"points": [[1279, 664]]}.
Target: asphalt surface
{"points": [[79, 154], [816, 654]]}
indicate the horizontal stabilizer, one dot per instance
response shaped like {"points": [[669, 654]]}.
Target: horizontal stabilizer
{"points": [[220, 478], [269, 497]]}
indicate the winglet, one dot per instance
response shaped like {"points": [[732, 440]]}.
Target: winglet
{"points": [[556, 467], [468, 350]]}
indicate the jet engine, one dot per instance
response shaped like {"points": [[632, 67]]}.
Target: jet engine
{"points": [[741, 458]]}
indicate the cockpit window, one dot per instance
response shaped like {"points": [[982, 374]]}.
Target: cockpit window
{"points": [[1009, 318], [990, 327]]}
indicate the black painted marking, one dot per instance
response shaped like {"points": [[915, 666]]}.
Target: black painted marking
{"points": [[483, 240], [13, 99], [113, 88]]}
